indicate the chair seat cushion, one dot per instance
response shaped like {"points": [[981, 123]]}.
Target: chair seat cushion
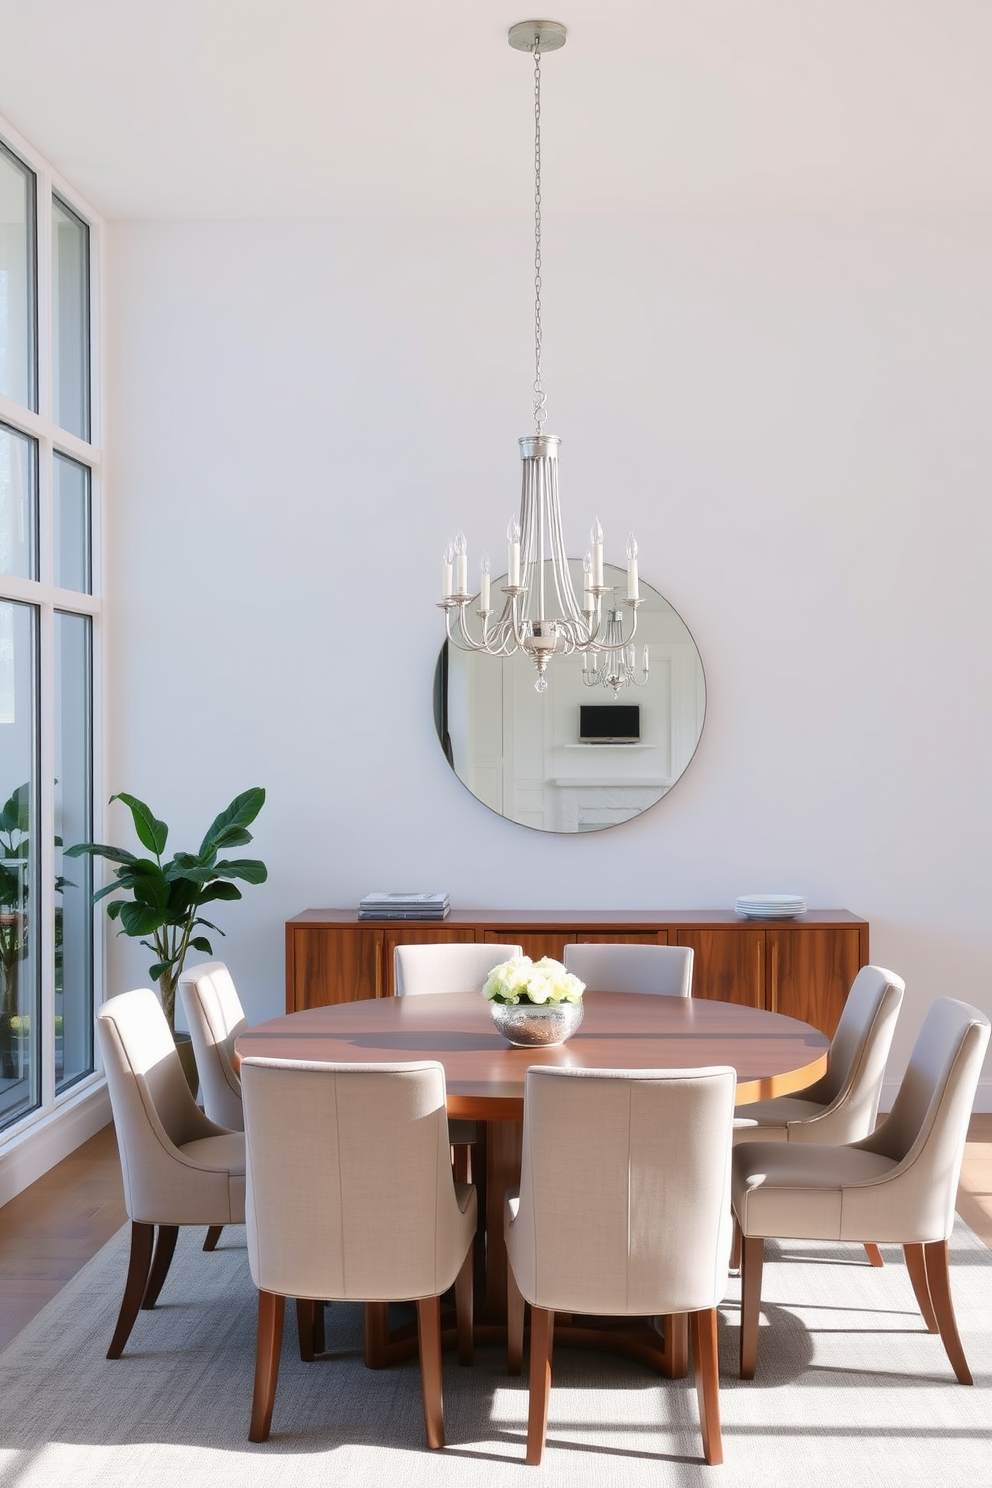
{"points": [[223, 1154], [796, 1190], [768, 1121]]}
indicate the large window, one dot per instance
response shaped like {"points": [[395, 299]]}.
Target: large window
{"points": [[49, 624]]}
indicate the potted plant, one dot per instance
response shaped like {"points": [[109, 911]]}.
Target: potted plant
{"points": [[164, 899], [534, 1002]]}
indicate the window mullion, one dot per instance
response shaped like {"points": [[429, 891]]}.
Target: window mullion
{"points": [[46, 856]]}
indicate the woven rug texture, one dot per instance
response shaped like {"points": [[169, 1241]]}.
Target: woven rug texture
{"points": [[850, 1389]]}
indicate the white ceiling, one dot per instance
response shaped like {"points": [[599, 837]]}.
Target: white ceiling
{"points": [[267, 108]]}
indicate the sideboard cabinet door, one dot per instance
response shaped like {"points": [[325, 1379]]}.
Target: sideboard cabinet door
{"points": [[728, 965], [328, 964], [809, 972]]}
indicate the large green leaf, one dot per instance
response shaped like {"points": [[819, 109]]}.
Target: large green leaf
{"points": [[242, 810], [190, 870], [220, 890], [152, 833], [139, 919], [249, 869], [100, 850]]}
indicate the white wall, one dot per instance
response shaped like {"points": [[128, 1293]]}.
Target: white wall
{"points": [[791, 413]]}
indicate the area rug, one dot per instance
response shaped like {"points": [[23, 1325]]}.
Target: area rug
{"points": [[850, 1389]]}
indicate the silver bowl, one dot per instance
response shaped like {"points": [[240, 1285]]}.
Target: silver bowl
{"points": [[529, 1025]]}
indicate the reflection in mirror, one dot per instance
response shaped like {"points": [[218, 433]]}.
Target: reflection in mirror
{"points": [[523, 754]]}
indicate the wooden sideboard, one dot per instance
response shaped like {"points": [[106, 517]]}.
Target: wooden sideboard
{"points": [[802, 967]]}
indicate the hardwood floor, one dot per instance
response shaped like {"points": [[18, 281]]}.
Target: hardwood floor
{"points": [[52, 1229]]}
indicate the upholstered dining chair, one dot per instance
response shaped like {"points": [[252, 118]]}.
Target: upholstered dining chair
{"points": [[623, 1210], [351, 1198], [897, 1185], [608, 967], [451, 966], [180, 1168], [215, 1017], [842, 1106]]}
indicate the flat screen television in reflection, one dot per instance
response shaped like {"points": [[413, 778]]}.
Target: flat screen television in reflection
{"points": [[609, 723]]}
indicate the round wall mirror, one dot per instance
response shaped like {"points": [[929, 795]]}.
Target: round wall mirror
{"points": [[575, 758]]}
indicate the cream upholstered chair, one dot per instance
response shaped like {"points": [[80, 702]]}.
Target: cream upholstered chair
{"points": [[180, 1168], [661, 969], [215, 1017], [351, 1197], [623, 1209], [897, 1185], [842, 1106], [449, 966]]}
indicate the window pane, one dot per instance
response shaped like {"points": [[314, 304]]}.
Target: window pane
{"points": [[19, 964], [73, 823], [72, 525], [18, 295], [71, 319], [18, 504]]}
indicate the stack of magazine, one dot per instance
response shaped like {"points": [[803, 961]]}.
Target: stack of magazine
{"points": [[403, 907]]}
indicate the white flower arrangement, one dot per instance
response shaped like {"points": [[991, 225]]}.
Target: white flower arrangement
{"points": [[542, 983]]}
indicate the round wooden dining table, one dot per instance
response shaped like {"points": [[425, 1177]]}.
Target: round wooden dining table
{"points": [[485, 1076]]}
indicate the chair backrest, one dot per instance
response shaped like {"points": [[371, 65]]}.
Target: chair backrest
{"points": [[860, 1048], [215, 1018], [625, 1189], [350, 1193], [926, 1130], [664, 970], [154, 1112], [451, 966]]}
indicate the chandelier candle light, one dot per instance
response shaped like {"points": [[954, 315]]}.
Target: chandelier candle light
{"points": [[535, 540]]}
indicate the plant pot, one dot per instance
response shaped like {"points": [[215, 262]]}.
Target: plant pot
{"points": [[184, 1048], [530, 1026]]}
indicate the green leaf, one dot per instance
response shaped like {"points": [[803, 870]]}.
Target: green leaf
{"points": [[194, 873], [220, 890], [110, 888], [100, 850], [139, 919], [152, 833], [114, 909], [248, 869], [201, 943], [242, 810]]}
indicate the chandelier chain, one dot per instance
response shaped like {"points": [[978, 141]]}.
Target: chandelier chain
{"points": [[540, 396]]}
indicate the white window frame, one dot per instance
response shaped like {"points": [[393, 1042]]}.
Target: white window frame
{"points": [[30, 1145]]}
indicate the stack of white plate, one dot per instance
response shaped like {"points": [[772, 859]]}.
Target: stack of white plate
{"points": [[770, 906]]}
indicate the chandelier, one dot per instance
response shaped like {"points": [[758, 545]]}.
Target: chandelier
{"points": [[541, 614]]}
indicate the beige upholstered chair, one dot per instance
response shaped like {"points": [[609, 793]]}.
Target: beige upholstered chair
{"points": [[215, 1017], [664, 970], [351, 1197], [842, 1106], [180, 1168], [451, 966], [898, 1185], [623, 1209]]}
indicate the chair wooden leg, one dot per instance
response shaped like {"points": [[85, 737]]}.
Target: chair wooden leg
{"points": [[705, 1363], [937, 1257], [874, 1255], [752, 1261], [735, 1248], [165, 1249], [542, 1330], [142, 1236], [675, 1352], [271, 1312], [213, 1235], [917, 1267], [464, 1308], [514, 1324], [319, 1340], [376, 1334], [306, 1325], [429, 1338]]}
